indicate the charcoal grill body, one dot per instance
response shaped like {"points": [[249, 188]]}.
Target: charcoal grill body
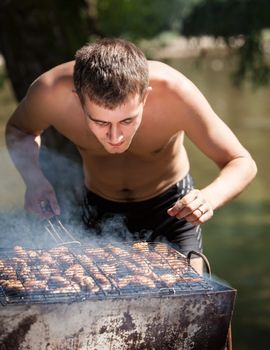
{"points": [[179, 321]]}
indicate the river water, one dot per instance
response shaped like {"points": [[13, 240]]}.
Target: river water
{"points": [[237, 239]]}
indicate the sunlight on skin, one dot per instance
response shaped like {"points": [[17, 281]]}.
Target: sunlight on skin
{"points": [[115, 128]]}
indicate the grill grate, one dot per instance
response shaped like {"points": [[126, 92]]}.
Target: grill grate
{"points": [[66, 274]]}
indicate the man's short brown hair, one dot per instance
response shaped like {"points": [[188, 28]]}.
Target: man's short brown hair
{"points": [[109, 71]]}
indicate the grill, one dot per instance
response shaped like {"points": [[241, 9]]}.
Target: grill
{"points": [[66, 274], [132, 296]]}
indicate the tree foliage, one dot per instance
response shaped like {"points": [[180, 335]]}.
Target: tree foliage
{"points": [[230, 19], [35, 36], [139, 18]]}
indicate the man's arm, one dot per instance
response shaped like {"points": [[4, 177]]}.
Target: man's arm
{"points": [[215, 139], [23, 142]]}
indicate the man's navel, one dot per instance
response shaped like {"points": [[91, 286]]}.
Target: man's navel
{"points": [[127, 194]]}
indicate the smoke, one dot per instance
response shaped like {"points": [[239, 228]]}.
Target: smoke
{"points": [[66, 176], [20, 228], [220, 281]]}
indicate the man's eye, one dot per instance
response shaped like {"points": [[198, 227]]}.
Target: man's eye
{"points": [[126, 121], [101, 123]]}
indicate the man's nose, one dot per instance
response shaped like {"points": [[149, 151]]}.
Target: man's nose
{"points": [[115, 134]]}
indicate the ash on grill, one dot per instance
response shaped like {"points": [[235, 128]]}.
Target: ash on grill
{"points": [[76, 273]]}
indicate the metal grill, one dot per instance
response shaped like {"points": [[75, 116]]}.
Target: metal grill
{"points": [[70, 273]]}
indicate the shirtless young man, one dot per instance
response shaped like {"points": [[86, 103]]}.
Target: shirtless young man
{"points": [[128, 118]]}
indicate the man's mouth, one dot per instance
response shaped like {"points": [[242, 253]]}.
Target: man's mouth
{"points": [[116, 144]]}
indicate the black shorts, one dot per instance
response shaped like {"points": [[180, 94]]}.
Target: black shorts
{"points": [[144, 220]]}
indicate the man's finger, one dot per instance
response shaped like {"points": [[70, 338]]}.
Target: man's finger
{"points": [[55, 207], [190, 197], [183, 203], [173, 211]]}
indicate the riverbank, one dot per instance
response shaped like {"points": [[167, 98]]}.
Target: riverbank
{"points": [[170, 46]]}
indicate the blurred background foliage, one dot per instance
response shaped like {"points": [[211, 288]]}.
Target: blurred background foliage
{"points": [[140, 19], [35, 36]]}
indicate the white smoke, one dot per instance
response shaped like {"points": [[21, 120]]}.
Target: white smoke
{"points": [[20, 228]]}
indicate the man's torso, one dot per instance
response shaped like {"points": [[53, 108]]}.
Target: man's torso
{"points": [[156, 158]]}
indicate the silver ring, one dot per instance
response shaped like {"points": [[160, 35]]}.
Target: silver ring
{"points": [[44, 205], [202, 213]]}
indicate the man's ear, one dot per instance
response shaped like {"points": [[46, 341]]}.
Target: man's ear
{"points": [[75, 92], [147, 92], [76, 95]]}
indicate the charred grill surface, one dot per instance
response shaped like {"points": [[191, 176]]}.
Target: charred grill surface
{"points": [[66, 274]]}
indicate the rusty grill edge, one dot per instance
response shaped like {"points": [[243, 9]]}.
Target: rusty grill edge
{"points": [[185, 316]]}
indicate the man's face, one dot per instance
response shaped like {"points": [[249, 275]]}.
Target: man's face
{"points": [[115, 128]]}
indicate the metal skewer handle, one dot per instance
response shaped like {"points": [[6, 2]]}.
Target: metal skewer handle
{"points": [[59, 233], [205, 260]]}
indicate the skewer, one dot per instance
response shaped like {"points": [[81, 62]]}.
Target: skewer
{"points": [[55, 227]]}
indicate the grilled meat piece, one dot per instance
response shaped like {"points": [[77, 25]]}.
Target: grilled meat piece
{"points": [[101, 279], [43, 272], [58, 281], [66, 259], [74, 270], [97, 253], [2, 264], [94, 272], [145, 281], [75, 286], [161, 248], [34, 285], [168, 279], [47, 259], [110, 269], [191, 278], [12, 285], [25, 273], [7, 272], [33, 254], [118, 252], [18, 262], [58, 251], [86, 283], [20, 252], [141, 246], [131, 281]]}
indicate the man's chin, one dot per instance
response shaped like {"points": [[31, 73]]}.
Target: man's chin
{"points": [[116, 149]]}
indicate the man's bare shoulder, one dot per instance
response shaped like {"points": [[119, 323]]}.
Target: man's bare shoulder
{"points": [[168, 76], [54, 82], [51, 91], [175, 87], [171, 84], [47, 100]]}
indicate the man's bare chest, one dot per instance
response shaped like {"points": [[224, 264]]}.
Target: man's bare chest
{"points": [[152, 138]]}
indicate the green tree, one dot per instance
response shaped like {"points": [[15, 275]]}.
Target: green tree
{"points": [[232, 19], [34, 37], [37, 36], [138, 19], [133, 19]]}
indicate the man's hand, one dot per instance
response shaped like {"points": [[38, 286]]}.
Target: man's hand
{"points": [[193, 207], [38, 194]]}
